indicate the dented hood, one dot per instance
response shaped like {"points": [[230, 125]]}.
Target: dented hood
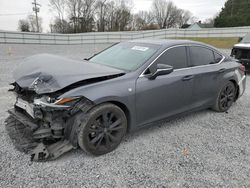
{"points": [[47, 73]]}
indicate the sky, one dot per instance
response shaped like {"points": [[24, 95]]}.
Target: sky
{"points": [[13, 10]]}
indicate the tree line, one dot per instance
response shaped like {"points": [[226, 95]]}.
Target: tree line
{"points": [[234, 13], [77, 16]]}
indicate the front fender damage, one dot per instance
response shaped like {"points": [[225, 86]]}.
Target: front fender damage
{"points": [[54, 134]]}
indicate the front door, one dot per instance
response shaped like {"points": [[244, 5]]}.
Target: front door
{"points": [[167, 95]]}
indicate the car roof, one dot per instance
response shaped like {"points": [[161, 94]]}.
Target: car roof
{"points": [[166, 42]]}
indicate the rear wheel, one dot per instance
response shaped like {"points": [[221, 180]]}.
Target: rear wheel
{"points": [[102, 130], [225, 98]]}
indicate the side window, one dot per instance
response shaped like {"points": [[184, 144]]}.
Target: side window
{"points": [[217, 57], [176, 57], [201, 56]]}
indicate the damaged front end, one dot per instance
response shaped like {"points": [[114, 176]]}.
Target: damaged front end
{"points": [[44, 125]]}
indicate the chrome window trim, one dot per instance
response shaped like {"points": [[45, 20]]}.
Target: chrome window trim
{"points": [[187, 68]]}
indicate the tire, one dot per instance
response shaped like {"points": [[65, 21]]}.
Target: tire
{"points": [[225, 98], [103, 129]]}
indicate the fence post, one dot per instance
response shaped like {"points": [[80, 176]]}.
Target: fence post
{"points": [[5, 40], [23, 38]]}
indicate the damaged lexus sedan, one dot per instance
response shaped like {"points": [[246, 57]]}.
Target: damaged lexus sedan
{"points": [[62, 104], [241, 51]]}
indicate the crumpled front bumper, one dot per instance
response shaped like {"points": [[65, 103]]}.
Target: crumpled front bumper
{"points": [[21, 128]]}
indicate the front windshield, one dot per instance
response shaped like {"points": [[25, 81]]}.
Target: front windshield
{"points": [[246, 39], [126, 56]]}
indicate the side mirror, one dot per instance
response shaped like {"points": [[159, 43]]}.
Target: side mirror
{"points": [[161, 69]]}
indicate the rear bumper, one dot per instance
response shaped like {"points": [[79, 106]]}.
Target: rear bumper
{"points": [[242, 85]]}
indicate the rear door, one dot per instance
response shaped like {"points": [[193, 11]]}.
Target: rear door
{"points": [[208, 73]]}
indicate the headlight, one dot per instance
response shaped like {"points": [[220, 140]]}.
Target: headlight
{"points": [[63, 101], [52, 102]]}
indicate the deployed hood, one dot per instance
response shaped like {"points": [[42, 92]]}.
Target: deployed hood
{"points": [[47, 73]]}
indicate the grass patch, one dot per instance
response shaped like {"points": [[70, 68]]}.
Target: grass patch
{"points": [[225, 42]]}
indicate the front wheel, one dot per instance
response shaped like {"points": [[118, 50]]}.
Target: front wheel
{"points": [[103, 129], [225, 98]]}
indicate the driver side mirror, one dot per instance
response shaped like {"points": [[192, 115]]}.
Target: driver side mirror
{"points": [[161, 69]]}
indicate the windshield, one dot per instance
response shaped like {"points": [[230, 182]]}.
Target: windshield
{"points": [[246, 39], [126, 56]]}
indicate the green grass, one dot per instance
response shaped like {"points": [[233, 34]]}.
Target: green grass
{"points": [[226, 42]]}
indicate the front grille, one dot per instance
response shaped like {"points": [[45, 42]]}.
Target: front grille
{"points": [[241, 53]]}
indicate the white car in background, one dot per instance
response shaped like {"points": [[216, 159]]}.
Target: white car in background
{"points": [[241, 51]]}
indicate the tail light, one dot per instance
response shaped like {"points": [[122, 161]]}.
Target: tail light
{"points": [[242, 68]]}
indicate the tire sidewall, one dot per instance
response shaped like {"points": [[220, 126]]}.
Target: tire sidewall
{"points": [[217, 106], [92, 114]]}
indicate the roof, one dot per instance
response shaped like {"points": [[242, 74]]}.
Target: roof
{"points": [[165, 42]]}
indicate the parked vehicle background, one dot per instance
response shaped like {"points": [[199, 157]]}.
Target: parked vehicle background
{"points": [[241, 51]]}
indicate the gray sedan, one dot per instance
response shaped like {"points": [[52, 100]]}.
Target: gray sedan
{"points": [[63, 104]]}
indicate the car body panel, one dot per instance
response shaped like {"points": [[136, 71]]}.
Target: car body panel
{"points": [[47, 73], [163, 97]]}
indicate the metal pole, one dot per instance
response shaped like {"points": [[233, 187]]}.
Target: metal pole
{"points": [[36, 10]]}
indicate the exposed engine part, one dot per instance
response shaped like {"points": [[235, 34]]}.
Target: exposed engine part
{"points": [[42, 133], [57, 130]]}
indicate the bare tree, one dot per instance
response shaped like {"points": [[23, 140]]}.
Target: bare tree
{"points": [[32, 22], [23, 25], [81, 14], [29, 24], [167, 14], [59, 6], [101, 14], [142, 20]]}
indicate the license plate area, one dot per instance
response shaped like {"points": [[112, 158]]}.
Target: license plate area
{"points": [[25, 106]]}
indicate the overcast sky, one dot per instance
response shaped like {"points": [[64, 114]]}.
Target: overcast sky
{"points": [[202, 9]]}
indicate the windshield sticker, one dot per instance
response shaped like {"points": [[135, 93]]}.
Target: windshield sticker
{"points": [[140, 48]]}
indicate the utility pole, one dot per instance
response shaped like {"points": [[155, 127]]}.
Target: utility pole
{"points": [[36, 9]]}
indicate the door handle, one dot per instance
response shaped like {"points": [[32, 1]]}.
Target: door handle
{"points": [[222, 70], [189, 77]]}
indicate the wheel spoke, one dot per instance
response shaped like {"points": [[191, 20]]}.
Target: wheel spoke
{"points": [[112, 137], [111, 117], [99, 142], [115, 124], [105, 118], [116, 128], [107, 140], [97, 138]]}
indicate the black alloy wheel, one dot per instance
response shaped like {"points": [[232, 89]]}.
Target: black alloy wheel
{"points": [[104, 129], [226, 97]]}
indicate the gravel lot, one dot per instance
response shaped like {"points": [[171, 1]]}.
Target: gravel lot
{"points": [[203, 149]]}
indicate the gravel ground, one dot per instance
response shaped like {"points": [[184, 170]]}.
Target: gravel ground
{"points": [[203, 149]]}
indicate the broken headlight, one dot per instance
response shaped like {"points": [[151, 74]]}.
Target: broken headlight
{"points": [[56, 103]]}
